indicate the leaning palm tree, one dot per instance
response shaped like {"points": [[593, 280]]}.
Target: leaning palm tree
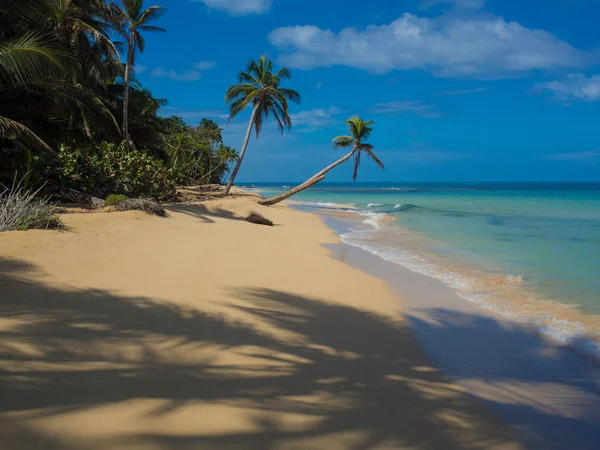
{"points": [[359, 133], [259, 86], [132, 19]]}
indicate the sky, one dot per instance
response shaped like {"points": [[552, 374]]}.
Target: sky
{"points": [[460, 90]]}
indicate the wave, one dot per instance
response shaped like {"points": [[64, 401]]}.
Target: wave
{"points": [[479, 289], [326, 205]]}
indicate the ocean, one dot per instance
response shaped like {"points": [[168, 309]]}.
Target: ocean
{"points": [[530, 251]]}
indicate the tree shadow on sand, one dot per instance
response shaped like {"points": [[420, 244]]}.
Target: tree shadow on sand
{"points": [[355, 379]]}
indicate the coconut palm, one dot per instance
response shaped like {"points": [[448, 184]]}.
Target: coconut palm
{"points": [[359, 133], [259, 86], [132, 19], [28, 60]]}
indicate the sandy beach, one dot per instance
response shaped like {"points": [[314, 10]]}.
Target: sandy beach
{"points": [[203, 331]]}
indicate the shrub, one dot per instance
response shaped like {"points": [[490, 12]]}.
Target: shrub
{"points": [[115, 199], [21, 210], [258, 218], [142, 204], [109, 168]]}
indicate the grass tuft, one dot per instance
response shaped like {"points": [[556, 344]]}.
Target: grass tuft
{"points": [[20, 209], [115, 199], [258, 218]]}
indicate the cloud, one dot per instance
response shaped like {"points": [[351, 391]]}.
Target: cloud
{"points": [[480, 46], [573, 88], [240, 7], [205, 65], [415, 107], [140, 69], [313, 119], [189, 75], [463, 92], [319, 85], [462, 4]]}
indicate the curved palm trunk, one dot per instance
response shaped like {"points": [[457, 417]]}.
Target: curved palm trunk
{"points": [[127, 77], [242, 153], [308, 183]]}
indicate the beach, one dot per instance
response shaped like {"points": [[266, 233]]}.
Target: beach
{"points": [[204, 331]]}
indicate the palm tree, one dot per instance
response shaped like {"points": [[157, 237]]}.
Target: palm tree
{"points": [[359, 133], [29, 59], [259, 86], [132, 19]]}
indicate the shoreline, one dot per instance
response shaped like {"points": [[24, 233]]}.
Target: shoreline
{"points": [[201, 331], [506, 295], [540, 388]]}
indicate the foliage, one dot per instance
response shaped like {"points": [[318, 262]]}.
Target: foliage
{"points": [[142, 204], [109, 168], [20, 209], [258, 218], [360, 130], [197, 154], [260, 87], [63, 89], [115, 199], [131, 18]]}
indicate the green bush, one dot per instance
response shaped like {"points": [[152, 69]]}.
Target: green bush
{"points": [[115, 199], [109, 168]]}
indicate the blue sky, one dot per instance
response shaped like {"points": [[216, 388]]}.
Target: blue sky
{"points": [[460, 90]]}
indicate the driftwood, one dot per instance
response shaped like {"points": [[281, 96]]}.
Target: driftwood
{"points": [[68, 195]]}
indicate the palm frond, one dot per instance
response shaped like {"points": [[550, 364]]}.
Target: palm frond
{"points": [[10, 127], [151, 14], [343, 141], [152, 29], [31, 58], [368, 149]]}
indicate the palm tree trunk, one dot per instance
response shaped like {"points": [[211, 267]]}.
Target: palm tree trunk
{"points": [[127, 77], [308, 183], [242, 153]]}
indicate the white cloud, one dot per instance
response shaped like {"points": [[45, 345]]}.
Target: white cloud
{"points": [[480, 46], [319, 85], [464, 4], [463, 92], [140, 69], [205, 65], [573, 88], [316, 118], [418, 108], [240, 7], [189, 75]]}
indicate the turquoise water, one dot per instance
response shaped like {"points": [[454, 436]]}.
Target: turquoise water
{"points": [[547, 234]]}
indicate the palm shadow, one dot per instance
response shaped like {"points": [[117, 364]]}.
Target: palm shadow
{"points": [[357, 379]]}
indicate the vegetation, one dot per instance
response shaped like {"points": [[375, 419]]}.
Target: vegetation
{"points": [[360, 131], [142, 204], [259, 86], [258, 218], [132, 19], [115, 199], [21, 209], [73, 116]]}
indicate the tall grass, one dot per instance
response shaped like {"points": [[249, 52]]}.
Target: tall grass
{"points": [[20, 209]]}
